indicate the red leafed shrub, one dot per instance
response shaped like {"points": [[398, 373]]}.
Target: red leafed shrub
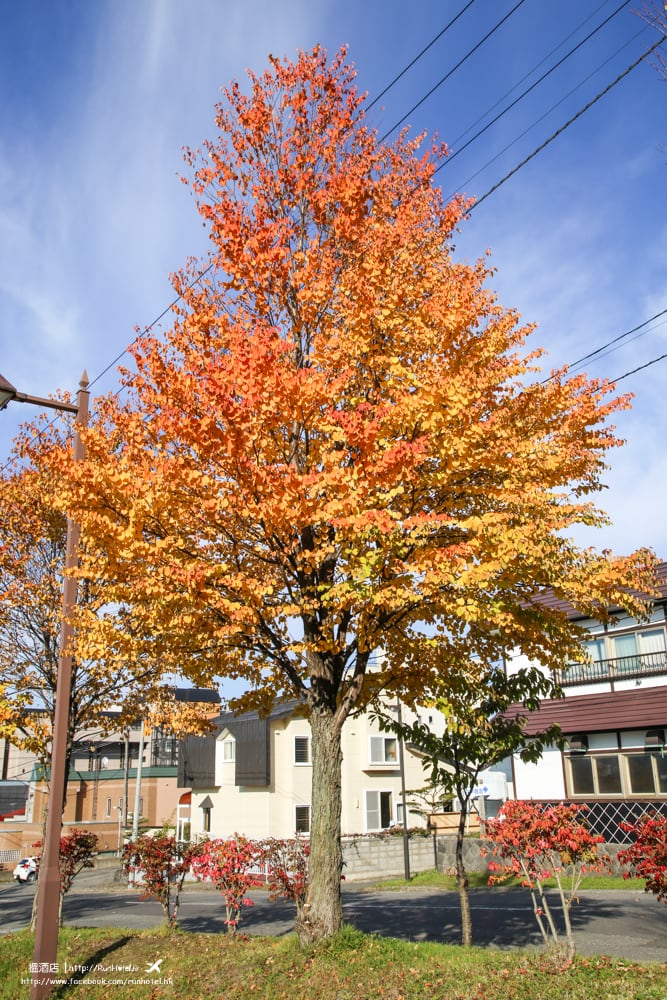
{"points": [[158, 865], [77, 851], [646, 857], [232, 867], [535, 844], [286, 864]]}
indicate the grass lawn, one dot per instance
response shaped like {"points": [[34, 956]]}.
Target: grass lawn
{"points": [[478, 880], [351, 966]]}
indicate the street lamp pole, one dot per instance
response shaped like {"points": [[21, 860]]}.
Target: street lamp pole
{"points": [[48, 902]]}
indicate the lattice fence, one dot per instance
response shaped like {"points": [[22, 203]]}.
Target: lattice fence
{"points": [[6, 857], [603, 816]]}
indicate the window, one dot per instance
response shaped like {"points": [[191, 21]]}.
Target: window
{"points": [[581, 776], [302, 749], [641, 774], [378, 810], [384, 750], [108, 810], [595, 649], [628, 774], [229, 750], [302, 819], [206, 813], [627, 648], [608, 775], [164, 750]]}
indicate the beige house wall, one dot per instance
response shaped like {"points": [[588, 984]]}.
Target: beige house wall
{"points": [[271, 811]]}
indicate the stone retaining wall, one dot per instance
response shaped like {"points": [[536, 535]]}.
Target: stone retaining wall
{"points": [[381, 857]]}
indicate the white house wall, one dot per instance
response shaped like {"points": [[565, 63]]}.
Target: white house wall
{"points": [[543, 780]]}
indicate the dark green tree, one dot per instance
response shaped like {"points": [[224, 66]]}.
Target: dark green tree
{"points": [[486, 723]]}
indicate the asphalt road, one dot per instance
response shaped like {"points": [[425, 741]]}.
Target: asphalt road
{"points": [[623, 924]]}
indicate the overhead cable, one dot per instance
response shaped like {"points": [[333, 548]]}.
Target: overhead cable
{"points": [[453, 69], [546, 113], [535, 84], [639, 369], [527, 75], [419, 55], [567, 124]]}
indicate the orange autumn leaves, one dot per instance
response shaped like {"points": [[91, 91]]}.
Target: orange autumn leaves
{"points": [[343, 435], [109, 690]]}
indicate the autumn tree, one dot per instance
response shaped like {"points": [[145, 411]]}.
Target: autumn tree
{"points": [[32, 558], [341, 445], [485, 716]]}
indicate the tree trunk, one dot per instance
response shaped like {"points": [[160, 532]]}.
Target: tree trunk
{"points": [[462, 879], [322, 914]]}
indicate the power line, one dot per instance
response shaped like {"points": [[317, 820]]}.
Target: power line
{"points": [[603, 347], [639, 368], [453, 70], [567, 124], [537, 65], [419, 55], [616, 340], [535, 84], [147, 329], [637, 336], [547, 112]]}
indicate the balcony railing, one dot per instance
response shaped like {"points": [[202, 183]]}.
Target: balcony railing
{"points": [[621, 668]]}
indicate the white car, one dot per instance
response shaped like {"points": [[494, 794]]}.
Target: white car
{"points": [[27, 870]]}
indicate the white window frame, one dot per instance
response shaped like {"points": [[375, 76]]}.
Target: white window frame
{"points": [[305, 744], [297, 824], [228, 750], [381, 759], [377, 809]]}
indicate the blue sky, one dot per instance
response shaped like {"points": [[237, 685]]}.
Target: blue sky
{"points": [[98, 99]]}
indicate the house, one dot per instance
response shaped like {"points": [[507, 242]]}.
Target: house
{"points": [[102, 784], [614, 715], [253, 776]]}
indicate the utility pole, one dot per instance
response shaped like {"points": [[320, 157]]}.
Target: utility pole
{"points": [[126, 777], [48, 902], [401, 764], [137, 789]]}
